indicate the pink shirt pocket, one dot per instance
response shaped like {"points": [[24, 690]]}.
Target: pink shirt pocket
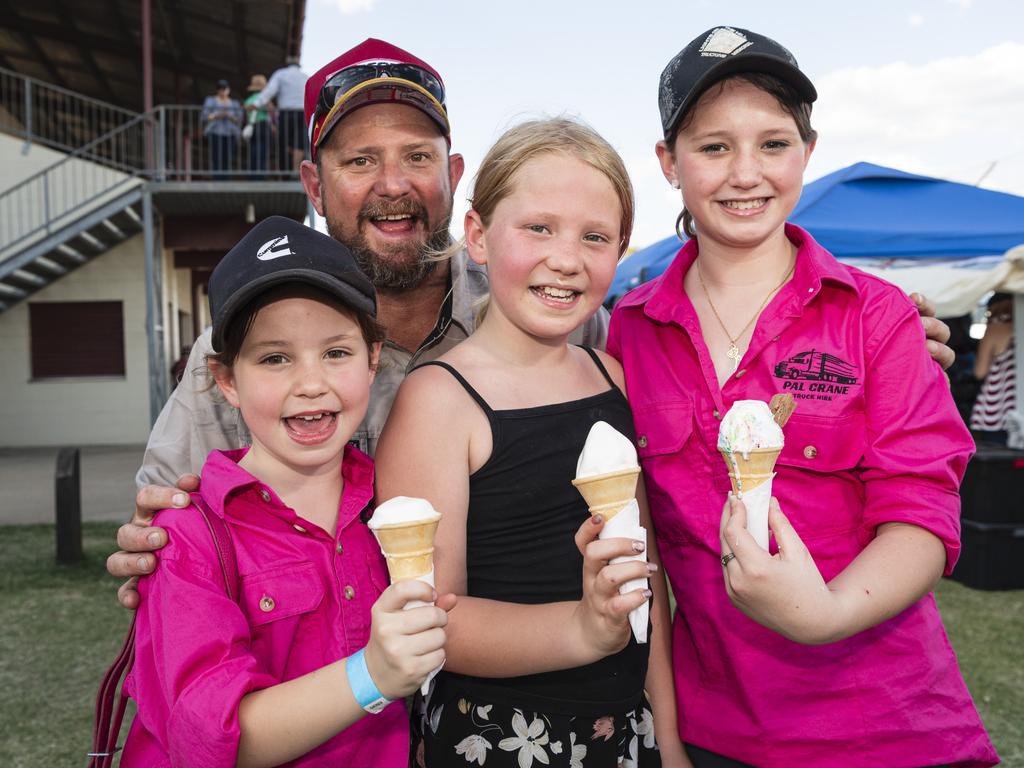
{"points": [[287, 630], [818, 485], [668, 457]]}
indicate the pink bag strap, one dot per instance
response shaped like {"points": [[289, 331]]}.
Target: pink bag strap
{"points": [[223, 544], [107, 724]]}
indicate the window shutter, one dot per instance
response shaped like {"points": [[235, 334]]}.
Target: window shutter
{"points": [[77, 338]]}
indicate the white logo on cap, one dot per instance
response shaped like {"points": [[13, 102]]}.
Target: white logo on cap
{"points": [[274, 249], [724, 42]]}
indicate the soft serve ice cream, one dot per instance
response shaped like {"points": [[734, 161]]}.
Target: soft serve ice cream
{"points": [[750, 440], [606, 476], [606, 450], [748, 425], [405, 529]]}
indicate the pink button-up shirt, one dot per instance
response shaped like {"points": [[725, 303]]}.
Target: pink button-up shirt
{"points": [[305, 599], [875, 438]]}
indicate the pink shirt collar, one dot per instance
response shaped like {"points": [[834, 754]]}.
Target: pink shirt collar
{"points": [[223, 479], [665, 300]]}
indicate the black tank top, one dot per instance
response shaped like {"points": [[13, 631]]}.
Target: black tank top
{"points": [[520, 546]]}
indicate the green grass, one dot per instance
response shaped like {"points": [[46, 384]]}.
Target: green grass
{"points": [[987, 633], [60, 627]]}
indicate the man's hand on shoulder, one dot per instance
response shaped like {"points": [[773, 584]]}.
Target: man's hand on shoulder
{"points": [[935, 330], [139, 538]]}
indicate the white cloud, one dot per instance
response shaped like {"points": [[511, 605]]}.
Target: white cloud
{"points": [[951, 117], [962, 4], [352, 6], [915, 20]]}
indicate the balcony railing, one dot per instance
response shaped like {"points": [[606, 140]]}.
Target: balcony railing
{"points": [[47, 114], [183, 144], [191, 146]]}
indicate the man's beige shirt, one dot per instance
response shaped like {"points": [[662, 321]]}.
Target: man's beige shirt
{"points": [[197, 419]]}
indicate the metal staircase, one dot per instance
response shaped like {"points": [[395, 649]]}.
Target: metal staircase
{"points": [[74, 210], [75, 244]]}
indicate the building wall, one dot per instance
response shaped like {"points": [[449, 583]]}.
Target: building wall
{"points": [[18, 165], [80, 411]]}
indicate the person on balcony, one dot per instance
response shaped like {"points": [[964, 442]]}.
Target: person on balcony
{"points": [[221, 119], [287, 88], [257, 129]]}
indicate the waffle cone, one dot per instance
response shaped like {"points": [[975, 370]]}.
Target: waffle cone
{"points": [[609, 493], [756, 469], [408, 548]]}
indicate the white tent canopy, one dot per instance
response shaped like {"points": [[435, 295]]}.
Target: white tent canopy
{"points": [[955, 287]]}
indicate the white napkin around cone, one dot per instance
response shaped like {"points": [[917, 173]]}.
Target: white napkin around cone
{"points": [[626, 524], [427, 578], [756, 502]]}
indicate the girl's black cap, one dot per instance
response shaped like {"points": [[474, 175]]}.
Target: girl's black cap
{"points": [[279, 250], [715, 55]]}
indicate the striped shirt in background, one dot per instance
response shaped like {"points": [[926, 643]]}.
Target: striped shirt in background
{"points": [[996, 398]]}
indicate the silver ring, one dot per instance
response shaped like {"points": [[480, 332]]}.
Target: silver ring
{"points": [[727, 558]]}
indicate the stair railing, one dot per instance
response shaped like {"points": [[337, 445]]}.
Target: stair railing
{"points": [[86, 178]]}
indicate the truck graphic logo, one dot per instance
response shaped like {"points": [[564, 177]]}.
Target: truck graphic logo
{"points": [[817, 366]]}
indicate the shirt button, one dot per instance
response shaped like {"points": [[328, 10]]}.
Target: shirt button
{"points": [[349, 593], [267, 603], [717, 414], [775, 338], [810, 452], [740, 372], [642, 441], [265, 495], [340, 548], [299, 528]]}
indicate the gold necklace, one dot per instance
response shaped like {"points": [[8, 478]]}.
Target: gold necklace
{"points": [[733, 353]]}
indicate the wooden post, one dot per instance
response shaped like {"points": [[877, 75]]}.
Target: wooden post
{"points": [[69, 506]]}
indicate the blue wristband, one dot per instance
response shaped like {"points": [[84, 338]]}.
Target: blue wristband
{"points": [[362, 685]]}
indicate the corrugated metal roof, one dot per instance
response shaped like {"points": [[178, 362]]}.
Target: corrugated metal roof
{"points": [[95, 46]]}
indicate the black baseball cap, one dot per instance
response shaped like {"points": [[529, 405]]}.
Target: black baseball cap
{"points": [[715, 55], [279, 250]]}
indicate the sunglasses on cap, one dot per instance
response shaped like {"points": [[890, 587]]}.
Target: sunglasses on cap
{"points": [[338, 85]]}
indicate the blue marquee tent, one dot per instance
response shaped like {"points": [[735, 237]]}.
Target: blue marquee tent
{"points": [[868, 211]]}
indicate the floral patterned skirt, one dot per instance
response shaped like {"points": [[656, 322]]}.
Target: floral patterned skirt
{"points": [[463, 732]]}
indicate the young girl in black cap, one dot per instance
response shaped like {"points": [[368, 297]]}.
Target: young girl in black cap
{"points": [[286, 669], [827, 650]]}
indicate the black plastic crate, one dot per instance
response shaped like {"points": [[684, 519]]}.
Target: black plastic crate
{"points": [[993, 486], [991, 555]]}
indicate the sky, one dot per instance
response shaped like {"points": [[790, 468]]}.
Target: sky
{"points": [[928, 86]]}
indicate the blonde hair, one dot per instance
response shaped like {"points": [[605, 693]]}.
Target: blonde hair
{"points": [[525, 141], [557, 135]]}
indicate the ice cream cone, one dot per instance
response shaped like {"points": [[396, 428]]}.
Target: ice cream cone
{"points": [[408, 547], [754, 470], [608, 493]]}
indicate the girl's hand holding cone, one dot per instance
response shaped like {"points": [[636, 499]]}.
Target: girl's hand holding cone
{"points": [[406, 645], [784, 592], [602, 615]]}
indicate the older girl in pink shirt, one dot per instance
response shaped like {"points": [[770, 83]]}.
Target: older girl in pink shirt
{"points": [[829, 650], [317, 639]]}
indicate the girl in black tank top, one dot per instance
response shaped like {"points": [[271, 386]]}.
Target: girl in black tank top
{"points": [[533, 675]]}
